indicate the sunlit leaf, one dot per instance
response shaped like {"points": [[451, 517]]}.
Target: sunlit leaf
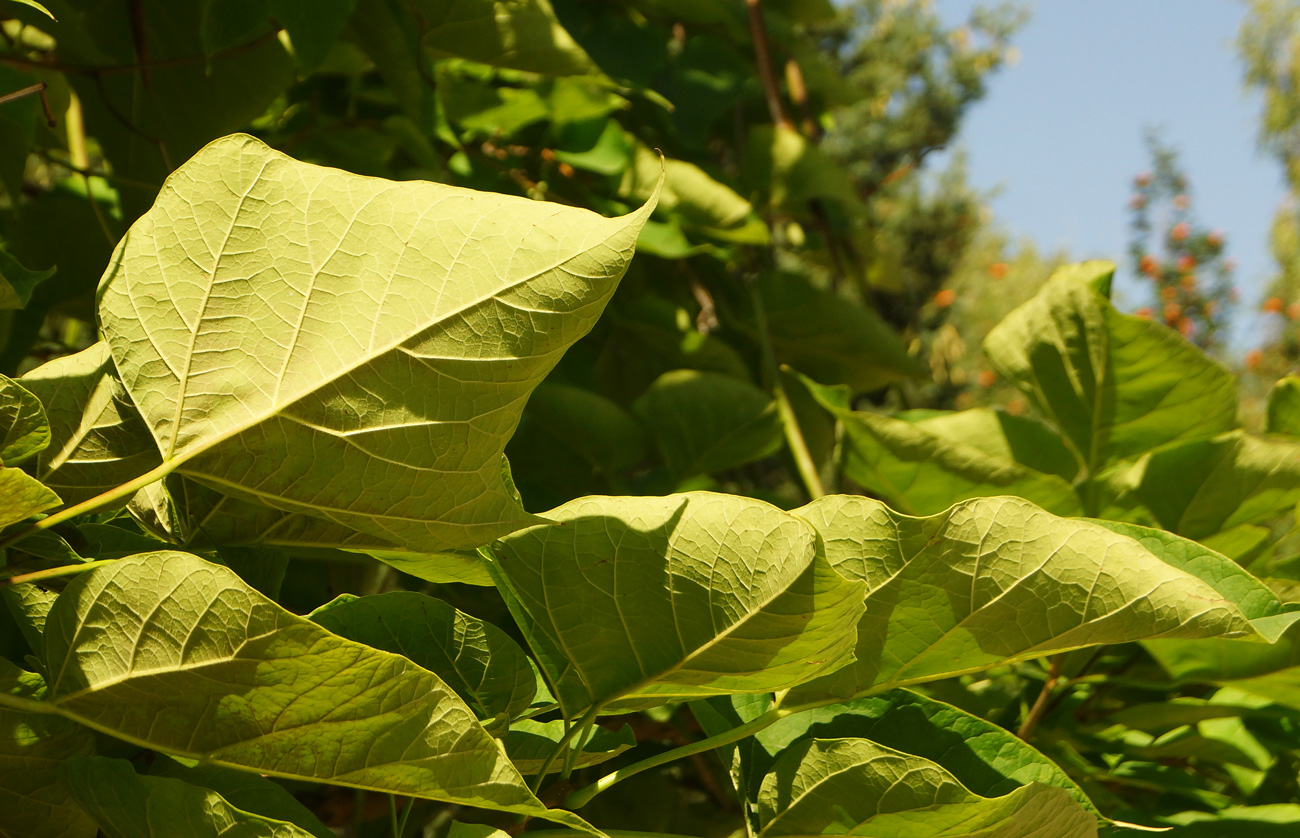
{"points": [[1284, 407], [1117, 386], [998, 579], [24, 430], [530, 744], [97, 439], [688, 595], [17, 282], [853, 786], [22, 496], [180, 655], [393, 332]]}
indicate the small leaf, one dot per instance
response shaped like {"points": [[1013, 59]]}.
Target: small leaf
{"points": [[531, 743], [1117, 386], [313, 26], [38, 7], [32, 745], [853, 786], [518, 34], [1004, 436], [97, 439], [394, 336], [1284, 407], [24, 430], [246, 791], [174, 653], [791, 171], [688, 190], [16, 281], [688, 595], [704, 422], [996, 580], [480, 662], [22, 496], [128, 805]]}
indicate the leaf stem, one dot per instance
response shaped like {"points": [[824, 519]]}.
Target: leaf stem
{"points": [[1036, 712], [125, 490], [583, 796], [763, 60], [582, 724], [794, 437], [26, 705], [53, 573]]}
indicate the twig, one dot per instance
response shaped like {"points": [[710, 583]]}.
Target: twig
{"points": [[39, 89], [53, 573], [1040, 704], [763, 58]]}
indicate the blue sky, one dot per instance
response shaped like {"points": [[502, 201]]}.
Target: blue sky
{"points": [[1061, 132]]}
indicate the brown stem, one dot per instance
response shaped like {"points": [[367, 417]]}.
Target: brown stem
{"points": [[763, 57], [139, 66], [1040, 704], [799, 93]]}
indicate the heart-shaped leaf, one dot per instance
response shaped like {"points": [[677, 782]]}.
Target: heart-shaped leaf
{"points": [[392, 332]]}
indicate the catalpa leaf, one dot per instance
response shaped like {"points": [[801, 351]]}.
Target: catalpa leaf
{"points": [[688, 595], [519, 34], [986, 759], [97, 439], [22, 496], [922, 473], [127, 805], [1116, 386], [24, 430], [173, 653], [391, 333], [998, 579], [479, 661], [33, 801], [1284, 407], [857, 787]]}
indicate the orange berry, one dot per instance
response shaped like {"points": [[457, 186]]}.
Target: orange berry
{"points": [[1149, 265], [1182, 202], [1016, 407], [945, 298], [1143, 179], [1187, 327], [987, 377], [1293, 311], [1188, 282], [1137, 201], [1272, 305], [1168, 294], [998, 270], [1173, 311], [1186, 263], [1145, 313], [1181, 231], [1253, 359], [1210, 308], [547, 155], [1214, 239], [566, 170]]}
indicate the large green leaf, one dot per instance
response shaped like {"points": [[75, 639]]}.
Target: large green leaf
{"points": [[705, 422], [392, 332], [688, 190], [983, 757], [245, 791], [127, 805], [33, 802], [1269, 669], [857, 787], [1204, 487], [97, 439], [922, 473], [998, 579], [1117, 386], [1003, 436], [479, 661], [171, 652], [688, 595], [24, 430]]}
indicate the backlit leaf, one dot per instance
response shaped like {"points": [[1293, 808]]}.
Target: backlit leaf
{"points": [[1284, 407], [392, 333], [689, 595], [22, 496], [853, 786], [531, 743], [171, 652], [24, 430], [998, 579], [1117, 386], [17, 282], [519, 34]]}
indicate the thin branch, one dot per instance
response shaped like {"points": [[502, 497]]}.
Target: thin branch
{"points": [[138, 66], [763, 58], [1040, 704], [53, 573]]}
